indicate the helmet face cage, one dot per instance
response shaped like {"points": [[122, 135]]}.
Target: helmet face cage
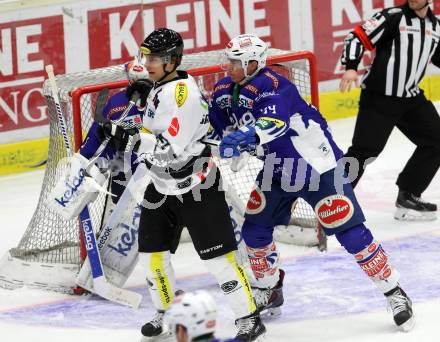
{"points": [[246, 48]]}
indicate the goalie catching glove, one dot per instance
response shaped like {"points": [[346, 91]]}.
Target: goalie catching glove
{"points": [[76, 187]]}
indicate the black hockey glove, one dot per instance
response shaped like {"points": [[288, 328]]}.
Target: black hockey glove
{"points": [[119, 136], [143, 87]]}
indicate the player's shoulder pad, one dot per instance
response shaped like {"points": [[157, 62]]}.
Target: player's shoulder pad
{"points": [[223, 86], [265, 81]]}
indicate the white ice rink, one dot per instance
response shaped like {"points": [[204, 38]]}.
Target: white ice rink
{"points": [[328, 298]]}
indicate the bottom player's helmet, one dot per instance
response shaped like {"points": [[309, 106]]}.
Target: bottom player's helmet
{"points": [[246, 48], [163, 42], [196, 311]]}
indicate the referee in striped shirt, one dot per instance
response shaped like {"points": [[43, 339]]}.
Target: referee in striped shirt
{"points": [[404, 40]]}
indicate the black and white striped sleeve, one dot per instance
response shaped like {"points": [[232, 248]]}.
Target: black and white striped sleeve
{"points": [[436, 56], [364, 37]]}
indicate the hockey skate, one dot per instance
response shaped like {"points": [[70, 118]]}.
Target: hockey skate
{"points": [[401, 307], [250, 328], [269, 301], [156, 330], [413, 208]]}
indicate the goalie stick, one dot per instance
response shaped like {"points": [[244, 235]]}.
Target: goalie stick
{"points": [[101, 286], [99, 118]]}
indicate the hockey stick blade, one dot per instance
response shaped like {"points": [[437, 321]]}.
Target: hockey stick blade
{"points": [[115, 294]]}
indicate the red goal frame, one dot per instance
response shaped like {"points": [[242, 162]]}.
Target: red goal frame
{"points": [[284, 57]]}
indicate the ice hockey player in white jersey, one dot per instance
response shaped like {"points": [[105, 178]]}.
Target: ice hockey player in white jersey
{"points": [[184, 189], [193, 317]]}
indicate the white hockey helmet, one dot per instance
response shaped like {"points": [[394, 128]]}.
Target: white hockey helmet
{"points": [[196, 311], [246, 48]]}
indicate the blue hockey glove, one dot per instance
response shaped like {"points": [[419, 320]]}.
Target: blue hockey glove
{"points": [[232, 144]]}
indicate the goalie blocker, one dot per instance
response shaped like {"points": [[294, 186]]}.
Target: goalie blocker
{"points": [[78, 186]]}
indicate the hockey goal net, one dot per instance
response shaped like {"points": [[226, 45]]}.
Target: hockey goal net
{"points": [[51, 249]]}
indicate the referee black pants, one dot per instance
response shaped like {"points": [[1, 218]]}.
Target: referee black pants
{"points": [[416, 118]]}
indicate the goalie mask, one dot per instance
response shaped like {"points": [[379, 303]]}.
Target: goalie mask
{"points": [[196, 311], [245, 48], [162, 46]]}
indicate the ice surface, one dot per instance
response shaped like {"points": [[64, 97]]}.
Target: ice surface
{"points": [[328, 298]]}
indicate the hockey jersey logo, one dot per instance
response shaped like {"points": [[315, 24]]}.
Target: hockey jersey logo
{"points": [[181, 93], [256, 202], [174, 127], [333, 211]]}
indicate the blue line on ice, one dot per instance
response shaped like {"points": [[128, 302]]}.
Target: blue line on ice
{"points": [[318, 285]]}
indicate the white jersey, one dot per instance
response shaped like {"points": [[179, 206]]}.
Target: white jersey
{"points": [[177, 116]]}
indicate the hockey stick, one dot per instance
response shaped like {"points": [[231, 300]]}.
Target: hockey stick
{"points": [[100, 284], [101, 119]]}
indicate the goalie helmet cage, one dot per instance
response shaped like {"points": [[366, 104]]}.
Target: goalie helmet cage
{"points": [[50, 253]]}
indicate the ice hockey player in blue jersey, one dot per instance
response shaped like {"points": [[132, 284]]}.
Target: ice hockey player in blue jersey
{"points": [[111, 158], [193, 318], [256, 109]]}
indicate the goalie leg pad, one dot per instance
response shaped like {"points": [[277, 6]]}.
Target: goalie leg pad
{"points": [[370, 256], [160, 278], [233, 283]]}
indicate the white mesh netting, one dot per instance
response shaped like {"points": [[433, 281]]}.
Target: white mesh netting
{"points": [[49, 239]]}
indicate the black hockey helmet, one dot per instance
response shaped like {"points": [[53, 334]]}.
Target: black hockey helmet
{"points": [[164, 42]]}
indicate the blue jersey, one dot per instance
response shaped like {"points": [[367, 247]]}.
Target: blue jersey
{"points": [[288, 128], [113, 110]]}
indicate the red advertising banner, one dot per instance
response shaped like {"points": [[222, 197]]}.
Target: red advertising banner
{"points": [[204, 25], [25, 48], [98, 35]]}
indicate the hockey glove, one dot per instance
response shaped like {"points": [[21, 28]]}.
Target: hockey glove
{"points": [[242, 139], [143, 87], [118, 135]]}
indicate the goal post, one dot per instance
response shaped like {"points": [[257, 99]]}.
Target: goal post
{"points": [[51, 248]]}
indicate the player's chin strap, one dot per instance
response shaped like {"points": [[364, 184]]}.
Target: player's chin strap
{"points": [[167, 73], [247, 78]]}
